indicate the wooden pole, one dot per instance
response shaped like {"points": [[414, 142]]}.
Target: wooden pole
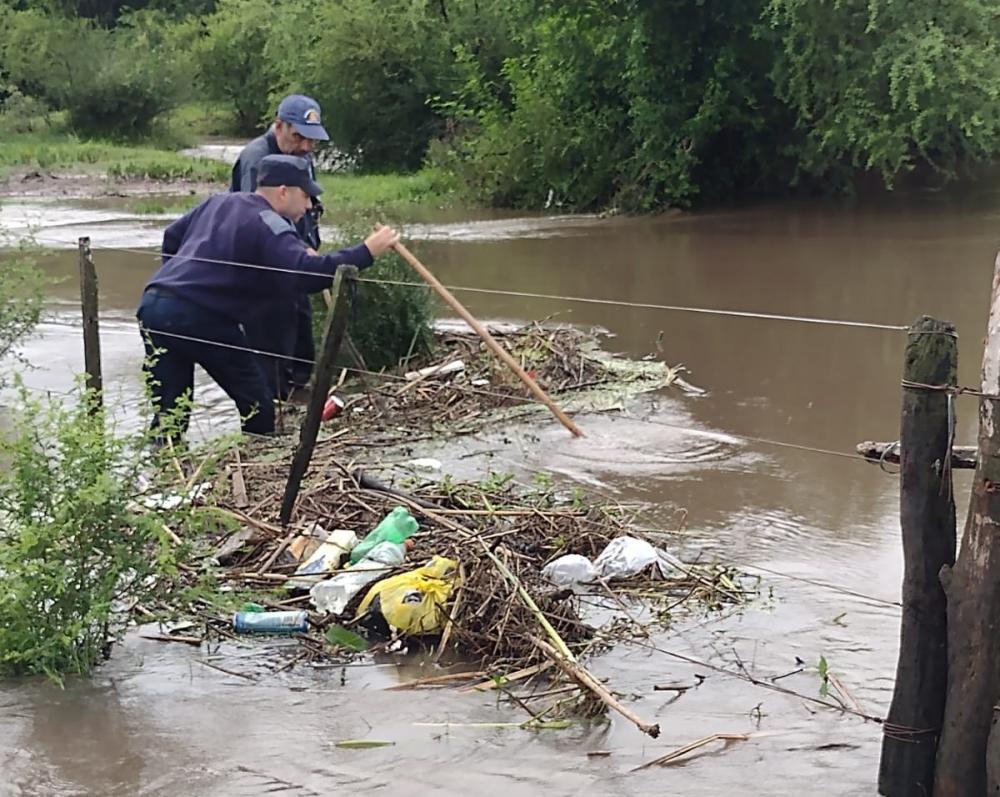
{"points": [[91, 329], [336, 323], [487, 338], [973, 589], [927, 521]]}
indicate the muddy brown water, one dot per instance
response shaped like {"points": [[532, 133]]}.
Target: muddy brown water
{"points": [[153, 721]]}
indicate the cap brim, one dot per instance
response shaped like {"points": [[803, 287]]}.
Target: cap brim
{"points": [[314, 131], [314, 188]]}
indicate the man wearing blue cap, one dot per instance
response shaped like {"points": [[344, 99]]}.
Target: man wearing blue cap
{"points": [[296, 129], [227, 264]]}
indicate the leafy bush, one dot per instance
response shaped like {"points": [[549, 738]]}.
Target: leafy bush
{"points": [[373, 67], [20, 300], [389, 322], [86, 520], [112, 83], [73, 546], [234, 63]]}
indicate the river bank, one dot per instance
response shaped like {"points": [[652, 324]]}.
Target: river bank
{"points": [[153, 179]]}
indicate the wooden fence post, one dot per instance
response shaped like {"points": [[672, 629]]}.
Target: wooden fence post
{"points": [[973, 589], [927, 521], [91, 329], [336, 323]]}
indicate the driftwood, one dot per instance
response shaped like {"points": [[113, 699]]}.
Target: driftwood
{"points": [[961, 456]]}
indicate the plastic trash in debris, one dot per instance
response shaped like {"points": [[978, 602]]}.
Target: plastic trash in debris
{"points": [[333, 550], [628, 556], [412, 602], [172, 500], [397, 526], [570, 570], [258, 622], [425, 463], [436, 370], [333, 595], [333, 406]]}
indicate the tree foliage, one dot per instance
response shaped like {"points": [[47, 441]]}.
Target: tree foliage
{"points": [[640, 104], [883, 85]]}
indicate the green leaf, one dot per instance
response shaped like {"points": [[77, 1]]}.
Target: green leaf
{"points": [[338, 635]]}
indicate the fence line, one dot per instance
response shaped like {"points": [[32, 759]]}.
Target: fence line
{"points": [[546, 296]]}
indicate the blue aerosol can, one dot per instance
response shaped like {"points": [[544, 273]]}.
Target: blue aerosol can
{"points": [[270, 622]]}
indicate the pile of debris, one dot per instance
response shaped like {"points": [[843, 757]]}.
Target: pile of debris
{"points": [[488, 574]]}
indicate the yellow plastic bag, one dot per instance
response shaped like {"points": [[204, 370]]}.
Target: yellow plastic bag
{"points": [[412, 602]]}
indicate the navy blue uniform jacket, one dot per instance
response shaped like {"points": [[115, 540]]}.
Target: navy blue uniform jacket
{"points": [[243, 228]]}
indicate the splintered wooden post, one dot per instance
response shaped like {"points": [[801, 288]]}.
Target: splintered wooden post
{"points": [[927, 521], [487, 338], [91, 329], [973, 589], [336, 323]]}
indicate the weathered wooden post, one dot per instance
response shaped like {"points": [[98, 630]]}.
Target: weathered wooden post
{"points": [[336, 323], [927, 521], [91, 329], [973, 589]]}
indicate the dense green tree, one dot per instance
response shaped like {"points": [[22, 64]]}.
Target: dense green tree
{"points": [[886, 86]]}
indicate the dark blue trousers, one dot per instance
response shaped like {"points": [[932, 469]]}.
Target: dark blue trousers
{"points": [[170, 360], [286, 329]]}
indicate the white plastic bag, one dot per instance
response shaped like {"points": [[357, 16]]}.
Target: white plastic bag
{"points": [[333, 595], [570, 570], [628, 556]]}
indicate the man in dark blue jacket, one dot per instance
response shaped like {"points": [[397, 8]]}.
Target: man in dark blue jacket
{"points": [[295, 131], [227, 264]]}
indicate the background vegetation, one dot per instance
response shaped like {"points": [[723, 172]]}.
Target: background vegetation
{"points": [[640, 104]]}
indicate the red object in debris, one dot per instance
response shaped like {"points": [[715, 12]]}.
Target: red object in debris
{"points": [[333, 406]]}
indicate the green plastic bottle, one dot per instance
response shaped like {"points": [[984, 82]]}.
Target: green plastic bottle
{"points": [[396, 527]]}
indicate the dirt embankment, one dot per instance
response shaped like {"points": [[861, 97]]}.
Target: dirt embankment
{"points": [[41, 183]]}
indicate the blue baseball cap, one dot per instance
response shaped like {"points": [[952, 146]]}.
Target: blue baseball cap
{"points": [[287, 170], [302, 113]]}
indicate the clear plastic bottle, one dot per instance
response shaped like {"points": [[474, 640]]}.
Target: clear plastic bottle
{"points": [[397, 527], [333, 595]]}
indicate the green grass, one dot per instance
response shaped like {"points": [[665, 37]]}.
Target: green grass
{"points": [[344, 194], [360, 193], [49, 151]]}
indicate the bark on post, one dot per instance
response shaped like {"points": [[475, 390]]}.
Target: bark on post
{"points": [[91, 330], [336, 323], [927, 521], [973, 589]]}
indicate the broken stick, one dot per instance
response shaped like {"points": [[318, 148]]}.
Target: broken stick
{"points": [[579, 674]]}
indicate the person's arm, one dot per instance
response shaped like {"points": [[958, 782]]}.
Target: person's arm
{"points": [[286, 250], [174, 234]]}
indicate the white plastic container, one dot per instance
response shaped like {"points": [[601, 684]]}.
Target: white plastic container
{"points": [[327, 557], [333, 595]]}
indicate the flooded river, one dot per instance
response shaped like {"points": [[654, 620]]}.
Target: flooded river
{"points": [[154, 722]]}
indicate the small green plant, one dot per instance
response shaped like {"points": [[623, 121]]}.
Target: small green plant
{"points": [[824, 676], [87, 521]]}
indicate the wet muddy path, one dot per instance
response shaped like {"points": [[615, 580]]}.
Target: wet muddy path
{"points": [[155, 722]]}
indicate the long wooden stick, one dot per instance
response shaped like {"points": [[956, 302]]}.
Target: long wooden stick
{"points": [[579, 673], [487, 338]]}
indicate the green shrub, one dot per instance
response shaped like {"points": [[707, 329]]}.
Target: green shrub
{"points": [[389, 323], [112, 83], [20, 300], [74, 549], [234, 63]]}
